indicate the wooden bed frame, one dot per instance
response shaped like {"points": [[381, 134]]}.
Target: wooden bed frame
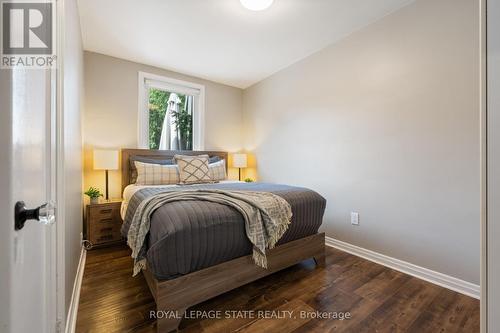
{"points": [[176, 295]]}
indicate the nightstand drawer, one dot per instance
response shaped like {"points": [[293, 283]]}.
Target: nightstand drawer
{"points": [[105, 230], [105, 238], [105, 233], [105, 212], [98, 229], [97, 221], [103, 223]]}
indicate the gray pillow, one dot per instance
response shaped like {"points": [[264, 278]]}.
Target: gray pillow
{"points": [[213, 159]]}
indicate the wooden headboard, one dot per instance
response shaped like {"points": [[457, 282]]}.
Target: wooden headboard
{"points": [[159, 155]]}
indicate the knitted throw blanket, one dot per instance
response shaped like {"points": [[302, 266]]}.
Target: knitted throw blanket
{"points": [[267, 217]]}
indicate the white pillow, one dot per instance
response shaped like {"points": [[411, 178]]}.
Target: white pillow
{"points": [[217, 170]]}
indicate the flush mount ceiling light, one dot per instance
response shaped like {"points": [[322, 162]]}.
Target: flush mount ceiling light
{"points": [[256, 4]]}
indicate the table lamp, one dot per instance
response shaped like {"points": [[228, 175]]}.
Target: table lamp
{"points": [[239, 161], [106, 160]]}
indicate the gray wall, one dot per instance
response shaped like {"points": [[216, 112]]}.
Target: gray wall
{"points": [[385, 123], [73, 91], [111, 112], [493, 215]]}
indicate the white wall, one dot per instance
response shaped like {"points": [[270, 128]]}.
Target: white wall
{"points": [[385, 123], [72, 133], [493, 216], [111, 112]]}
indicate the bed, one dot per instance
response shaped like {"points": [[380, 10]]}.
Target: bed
{"points": [[198, 250]]}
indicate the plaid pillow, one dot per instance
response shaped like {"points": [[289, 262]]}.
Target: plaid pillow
{"points": [[133, 170], [193, 169], [156, 174], [218, 170]]}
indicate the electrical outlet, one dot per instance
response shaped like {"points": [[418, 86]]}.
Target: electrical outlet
{"points": [[354, 218]]}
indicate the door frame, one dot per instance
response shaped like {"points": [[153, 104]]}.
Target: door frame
{"points": [[483, 166], [56, 246], [6, 202], [60, 282]]}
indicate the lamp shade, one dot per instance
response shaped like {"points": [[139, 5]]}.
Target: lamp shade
{"points": [[105, 159], [240, 160]]}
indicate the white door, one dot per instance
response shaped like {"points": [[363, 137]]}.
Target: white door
{"points": [[28, 265]]}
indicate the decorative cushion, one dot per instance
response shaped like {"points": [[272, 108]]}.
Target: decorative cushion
{"points": [[156, 174], [133, 169], [193, 169], [218, 170]]}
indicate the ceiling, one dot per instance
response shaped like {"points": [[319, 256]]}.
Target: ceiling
{"points": [[219, 40]]}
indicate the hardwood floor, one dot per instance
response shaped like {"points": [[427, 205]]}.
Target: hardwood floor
{"points": [[377, 298]]}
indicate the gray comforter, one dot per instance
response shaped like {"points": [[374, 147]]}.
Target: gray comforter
{"points": [[186, 236]]}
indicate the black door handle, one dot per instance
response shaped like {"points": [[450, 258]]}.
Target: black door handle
{"points": [[45, 214]]}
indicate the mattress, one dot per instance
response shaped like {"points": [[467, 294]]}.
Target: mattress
{"points": [[186, 236]]}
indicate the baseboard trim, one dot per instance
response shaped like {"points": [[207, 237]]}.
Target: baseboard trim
{"points": [[75, 296], [440, 279]]}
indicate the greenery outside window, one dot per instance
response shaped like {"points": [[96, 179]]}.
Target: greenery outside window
{"points": [[162, 105], [170, 113]]}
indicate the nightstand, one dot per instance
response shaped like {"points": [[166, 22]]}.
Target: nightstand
{"points": [[102, 224]]}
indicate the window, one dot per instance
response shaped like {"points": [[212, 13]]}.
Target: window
{"points": [[170, 113]]}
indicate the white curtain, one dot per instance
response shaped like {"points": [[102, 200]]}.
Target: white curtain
{"points": [[169, 136], [189, 108]]}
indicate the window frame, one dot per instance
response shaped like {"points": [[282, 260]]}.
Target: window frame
{"points": [[148, 80]]}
